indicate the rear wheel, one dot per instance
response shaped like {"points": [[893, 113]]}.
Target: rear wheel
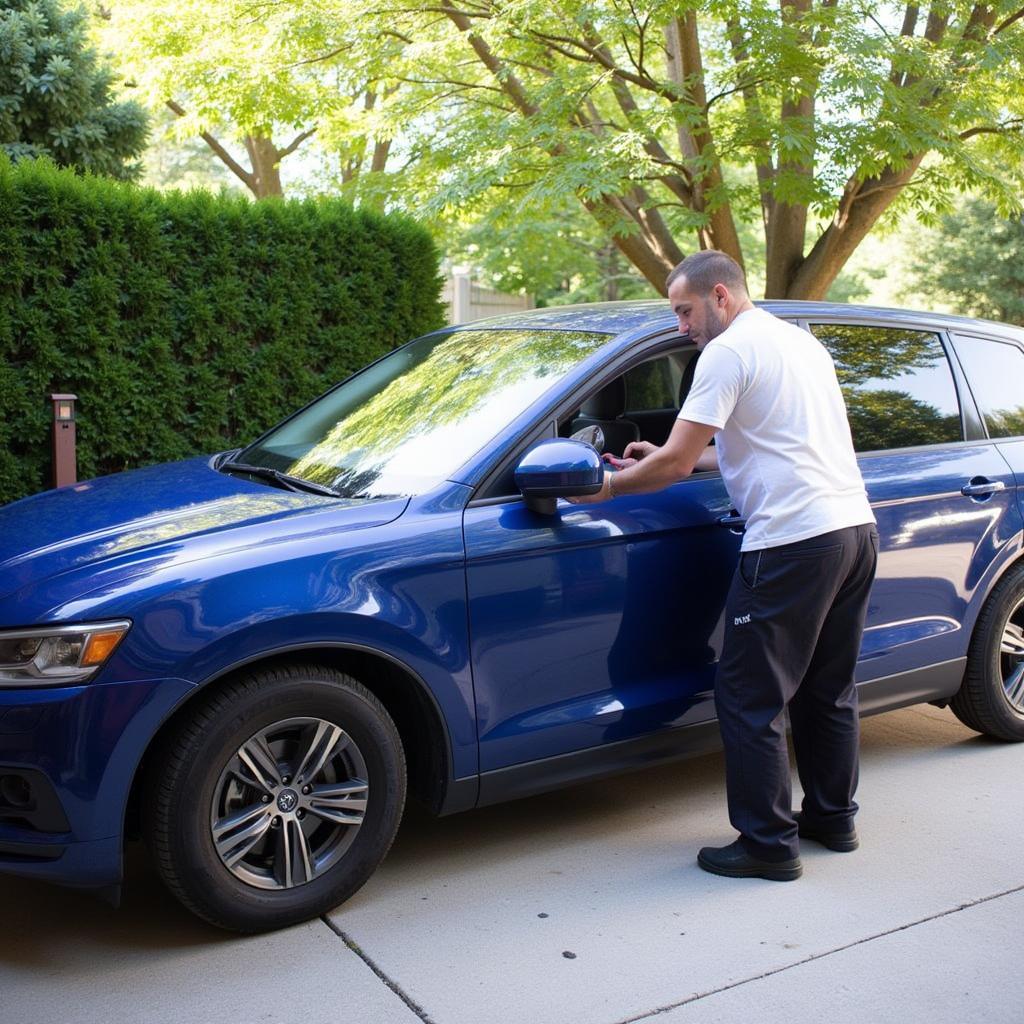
{"points": [[277, 798], [991, 699]]}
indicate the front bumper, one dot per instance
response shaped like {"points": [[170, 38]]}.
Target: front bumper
{"points": [[74, 752]]}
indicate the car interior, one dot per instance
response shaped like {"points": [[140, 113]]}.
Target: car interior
{"points": [[641, 404]]}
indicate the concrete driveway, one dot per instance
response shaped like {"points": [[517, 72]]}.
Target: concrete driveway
{"points": [[586, 907]]}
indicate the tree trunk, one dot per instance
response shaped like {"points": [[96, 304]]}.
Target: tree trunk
{"points": [[686, 69], [266, 170], [786, 226], [861, 206]]}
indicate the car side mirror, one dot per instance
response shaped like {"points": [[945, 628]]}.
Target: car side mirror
{"points": [[558, 468]]}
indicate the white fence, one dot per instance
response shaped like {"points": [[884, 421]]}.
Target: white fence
{"points": [[468, 301]]}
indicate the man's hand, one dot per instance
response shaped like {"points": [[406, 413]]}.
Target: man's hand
{"points": [[654, 467], [637, 450]]}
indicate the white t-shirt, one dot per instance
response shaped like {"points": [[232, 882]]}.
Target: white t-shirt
{"points": [[784, 445]]}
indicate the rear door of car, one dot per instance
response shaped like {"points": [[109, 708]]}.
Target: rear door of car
{"points": [[994, 366], [942, 493]]}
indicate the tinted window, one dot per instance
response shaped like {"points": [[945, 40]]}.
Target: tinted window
{"points": [[653, 385], [995, 370], [897, 384], [408, 421]]}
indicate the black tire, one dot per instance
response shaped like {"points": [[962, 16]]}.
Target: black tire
{"points": [[283, 710], [982, 703]]}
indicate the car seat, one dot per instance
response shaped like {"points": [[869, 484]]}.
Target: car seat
{"points": [[606, 410]]}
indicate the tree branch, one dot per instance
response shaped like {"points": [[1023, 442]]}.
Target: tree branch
{"points": [[248, 178], [1005, 24], [321, 58], [787, 225], [295, 143], [686, 69], [510, 83], [590, 55], [910, 16], [1016, 125]]}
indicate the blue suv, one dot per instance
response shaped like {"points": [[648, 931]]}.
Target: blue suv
{"points": [[248, 658]]}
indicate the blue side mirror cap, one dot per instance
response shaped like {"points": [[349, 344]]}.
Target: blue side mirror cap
{"points": [[558, 468]]}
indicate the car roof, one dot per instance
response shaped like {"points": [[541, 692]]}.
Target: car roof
{"points": [[640, 316]]}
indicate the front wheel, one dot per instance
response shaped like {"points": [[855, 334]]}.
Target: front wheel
{"points": [[991, 699], [277, 798]]}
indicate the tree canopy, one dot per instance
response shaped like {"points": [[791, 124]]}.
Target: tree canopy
{"points": [[57, 96], [974, 262], [669, 124]]}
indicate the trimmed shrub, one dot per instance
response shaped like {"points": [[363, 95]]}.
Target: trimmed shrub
{"points": [[185, 323]]}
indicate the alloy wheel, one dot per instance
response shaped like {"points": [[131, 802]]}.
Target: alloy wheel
{"points": [[1011, 658], [289, 803]]}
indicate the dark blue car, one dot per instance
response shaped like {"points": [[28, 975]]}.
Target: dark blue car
{"points": [[248, 658]]}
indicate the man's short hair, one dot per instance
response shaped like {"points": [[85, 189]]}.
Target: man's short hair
{"points": [[704, 269]]}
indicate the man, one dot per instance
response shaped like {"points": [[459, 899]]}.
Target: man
{"points": [[795, 611]]}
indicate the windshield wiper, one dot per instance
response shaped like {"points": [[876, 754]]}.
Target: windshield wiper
{"points": [[292, 483]]}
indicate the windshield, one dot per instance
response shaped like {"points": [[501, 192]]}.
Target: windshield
{"points": [[409, 421]]}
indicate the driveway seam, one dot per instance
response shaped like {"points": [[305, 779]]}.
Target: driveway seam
{"points": [[820, 956], [389, 982]]}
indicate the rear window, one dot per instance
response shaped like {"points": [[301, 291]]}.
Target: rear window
{"points": [[995, 371], [897, 384]]}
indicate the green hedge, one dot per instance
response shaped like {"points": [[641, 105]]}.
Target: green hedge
{"points": [[185, 323]]}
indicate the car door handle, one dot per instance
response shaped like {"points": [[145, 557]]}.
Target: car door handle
{"points": [[979, 487], [733, 521]]}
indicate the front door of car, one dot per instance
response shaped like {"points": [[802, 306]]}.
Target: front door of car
{"points": [[944, 505], [598, 623]]}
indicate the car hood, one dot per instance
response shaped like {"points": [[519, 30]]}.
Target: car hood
{"points": [[135, 517]]}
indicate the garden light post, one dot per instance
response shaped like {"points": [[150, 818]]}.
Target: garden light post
{"points": [[64, 471]]}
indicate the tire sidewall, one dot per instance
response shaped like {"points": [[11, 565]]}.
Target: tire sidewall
{"points": [[228, 898], [1010, 720]]}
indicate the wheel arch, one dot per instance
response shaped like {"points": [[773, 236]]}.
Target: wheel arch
{"points": [[403, 692], [1013, 561]]}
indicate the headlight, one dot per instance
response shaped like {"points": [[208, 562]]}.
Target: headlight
{"points": [[53, 655]]}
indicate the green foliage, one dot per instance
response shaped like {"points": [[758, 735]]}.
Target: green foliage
{"points": [[56, 96], [524, 106], [232, 71], [185, 322], [558, 255], [974, 262], [521, 128]]}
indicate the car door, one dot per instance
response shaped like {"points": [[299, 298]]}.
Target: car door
{"points": [[943, 497], [598, 624], [995, 375]]}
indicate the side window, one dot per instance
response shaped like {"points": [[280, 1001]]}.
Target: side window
{"points": [[897, 384], [995, 370], [653, 385]]}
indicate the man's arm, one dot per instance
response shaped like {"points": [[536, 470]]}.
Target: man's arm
{"points": [[675, 460], [707, 461]]}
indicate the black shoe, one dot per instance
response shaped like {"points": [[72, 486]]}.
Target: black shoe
{"points": [[841, 842], [734, 862]]}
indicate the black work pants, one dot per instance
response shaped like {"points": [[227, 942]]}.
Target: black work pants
{"points": [[794, 619]]}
